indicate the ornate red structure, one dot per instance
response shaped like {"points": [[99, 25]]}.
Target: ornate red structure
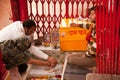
{"points": [[48, 14], [108, 36]]}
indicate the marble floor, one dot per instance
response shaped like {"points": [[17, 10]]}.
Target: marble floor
{"points": [[74, 72]]}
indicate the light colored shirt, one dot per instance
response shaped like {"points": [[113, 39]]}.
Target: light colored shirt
{"points": [[16, 30]]}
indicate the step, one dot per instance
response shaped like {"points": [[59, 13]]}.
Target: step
{"points": [[97, 76]]}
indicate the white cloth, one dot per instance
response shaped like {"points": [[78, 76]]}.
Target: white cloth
{"points": [[33, 49], [16, 30], [11, 31]]}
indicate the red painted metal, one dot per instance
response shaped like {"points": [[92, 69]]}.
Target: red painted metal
{"points": [[118, 37], [15, 10], [50, 18], [19, 10], [23, 9], [108, 33]]}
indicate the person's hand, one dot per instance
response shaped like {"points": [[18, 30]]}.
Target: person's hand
{"points": [[52, 61], [47, 63]]}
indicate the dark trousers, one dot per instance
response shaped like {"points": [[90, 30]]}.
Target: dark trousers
{"points": [[22, 68]]}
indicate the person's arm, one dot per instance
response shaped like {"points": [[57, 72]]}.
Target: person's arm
{"points": [[39, 62], [37, 52]]}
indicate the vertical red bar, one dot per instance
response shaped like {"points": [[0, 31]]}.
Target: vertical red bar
{"points": [[72, 4], [97, 40], [103, 36], [82, 2], [54, 16], [117, 37], [118, 33], [23, 10], [77, 13], [105, 49], [88, 2], [15, 10], [111, 38], [98, 28], [107, 37], [67, 8]]}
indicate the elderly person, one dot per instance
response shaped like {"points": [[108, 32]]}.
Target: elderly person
{"points": [[86, 59]]}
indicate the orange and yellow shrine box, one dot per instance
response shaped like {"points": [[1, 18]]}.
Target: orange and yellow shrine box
{"points": [[73, 38]]}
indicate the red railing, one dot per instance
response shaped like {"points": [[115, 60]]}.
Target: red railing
{"points": [[108, 36], [48, 13]]}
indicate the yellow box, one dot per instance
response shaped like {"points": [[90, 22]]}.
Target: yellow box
{"points": [[73, 38]]}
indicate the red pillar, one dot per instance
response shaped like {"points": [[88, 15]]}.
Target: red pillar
{"points": [[15, 10], [23, 9], [108, 37], [19, 9]]}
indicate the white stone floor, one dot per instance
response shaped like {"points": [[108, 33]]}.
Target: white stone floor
{"points": [[75, 72]]}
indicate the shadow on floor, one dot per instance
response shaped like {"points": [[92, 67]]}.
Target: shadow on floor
{"points": [[74, 72]]}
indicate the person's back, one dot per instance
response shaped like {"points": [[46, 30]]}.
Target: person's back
{"points": [[10, 31]]}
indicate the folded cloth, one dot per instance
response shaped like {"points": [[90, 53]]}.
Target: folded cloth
{"points": [[14, 52]]}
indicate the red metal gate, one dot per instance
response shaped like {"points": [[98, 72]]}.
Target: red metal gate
{"points": [[108, 36], [48, 13]]}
